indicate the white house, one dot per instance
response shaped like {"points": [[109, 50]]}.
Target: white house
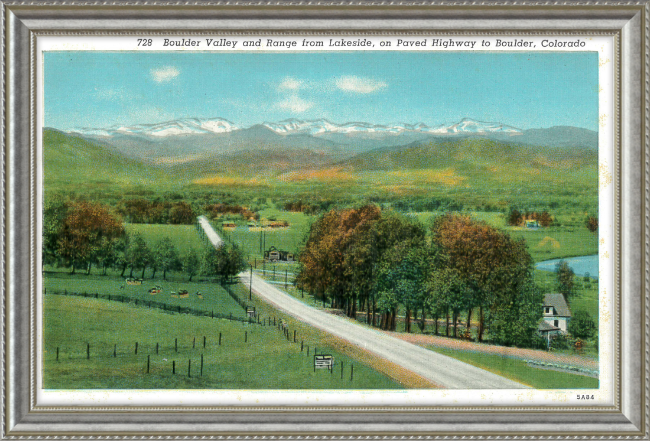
{"points": [[556, 315]]}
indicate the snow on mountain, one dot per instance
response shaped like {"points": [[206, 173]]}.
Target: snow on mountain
{"points": [[187, 126], [320, 127], [470, 126]]}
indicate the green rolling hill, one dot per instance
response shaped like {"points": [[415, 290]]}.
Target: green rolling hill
{"points": [[71, 161]]}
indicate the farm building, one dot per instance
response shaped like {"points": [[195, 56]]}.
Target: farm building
{"points": [[278, 224], [275, 255], [556, 315], [532, 224], [229, 224]]}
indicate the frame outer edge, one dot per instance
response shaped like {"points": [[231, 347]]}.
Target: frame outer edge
{"points": [[17, 222], [19, 231], [632, 219]]}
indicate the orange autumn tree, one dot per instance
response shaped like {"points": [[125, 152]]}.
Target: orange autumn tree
{"points": [[496, 268], [87, 234], [332, 253]]}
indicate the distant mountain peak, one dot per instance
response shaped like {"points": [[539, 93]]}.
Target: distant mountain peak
{"points": [[293, 126], [178, 127]]}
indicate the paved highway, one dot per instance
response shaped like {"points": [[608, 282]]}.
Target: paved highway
{"points": [[442, 370]]}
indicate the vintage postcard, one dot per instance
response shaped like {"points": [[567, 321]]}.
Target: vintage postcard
{"points": [[310, 220]]}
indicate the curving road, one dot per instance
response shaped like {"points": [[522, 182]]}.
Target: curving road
{"points": [[442, 370]]}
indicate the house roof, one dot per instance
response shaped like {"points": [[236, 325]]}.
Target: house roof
{"points": [[545, 326], [557, 301]]}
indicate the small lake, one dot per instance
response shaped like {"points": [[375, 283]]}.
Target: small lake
{"points": [[580, 265]]}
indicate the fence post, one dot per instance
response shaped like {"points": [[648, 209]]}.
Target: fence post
{"points": [[307, 350], [294, 335], [301, 345], [136, 348], [194, 343], [148, 363], [212, 314], [351, 372], [201, 364], [88, 351], [245, 336], [189, 368], [341, 370], [173, 367], [57, 353], [204, 341], [220, 339], [115, 351], [176, 344], [156, 348]]}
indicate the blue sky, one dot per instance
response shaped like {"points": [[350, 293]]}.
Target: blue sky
{"points": [[525, 90]]}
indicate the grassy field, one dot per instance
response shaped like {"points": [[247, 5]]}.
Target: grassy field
{"points": [[215, 298], [184, 237], [250, 356], [518, 370]]}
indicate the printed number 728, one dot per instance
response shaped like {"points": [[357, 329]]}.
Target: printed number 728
{"points": [[144, 41]]}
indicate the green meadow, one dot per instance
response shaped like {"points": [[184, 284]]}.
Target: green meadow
{"points": [[518, 370], [214, 297], [96, 350], [184, 237]]}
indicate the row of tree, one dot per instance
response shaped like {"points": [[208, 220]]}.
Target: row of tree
{"points": [[85, 234], [517, 218], [370, 260], [142, 211]]}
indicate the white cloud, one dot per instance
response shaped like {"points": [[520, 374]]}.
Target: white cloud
{"points": [[295, 104], [164, 74], [359, 85], [291, 84]]}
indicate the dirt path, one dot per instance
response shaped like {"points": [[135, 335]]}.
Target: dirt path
{"points": [[518, 353]]}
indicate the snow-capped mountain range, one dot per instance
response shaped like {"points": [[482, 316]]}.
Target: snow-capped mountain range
{"points": [[320, 127], [212, 137]]}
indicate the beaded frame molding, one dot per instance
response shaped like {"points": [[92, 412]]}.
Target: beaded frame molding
{"points": [[628, 23]]}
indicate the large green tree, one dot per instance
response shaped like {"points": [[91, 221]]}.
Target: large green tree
{"points": [[565, 279], [401, 276], [166, 256], [224, 262], [138, 254]]}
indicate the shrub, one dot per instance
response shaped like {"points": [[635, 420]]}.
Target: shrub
{"points": [[582, 325], [560, 341]]}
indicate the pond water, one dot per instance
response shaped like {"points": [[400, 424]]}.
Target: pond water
{"points": [[580, 265]]}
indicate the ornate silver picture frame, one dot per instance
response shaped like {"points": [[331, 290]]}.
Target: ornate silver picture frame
{"points": [[28, 413]]}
